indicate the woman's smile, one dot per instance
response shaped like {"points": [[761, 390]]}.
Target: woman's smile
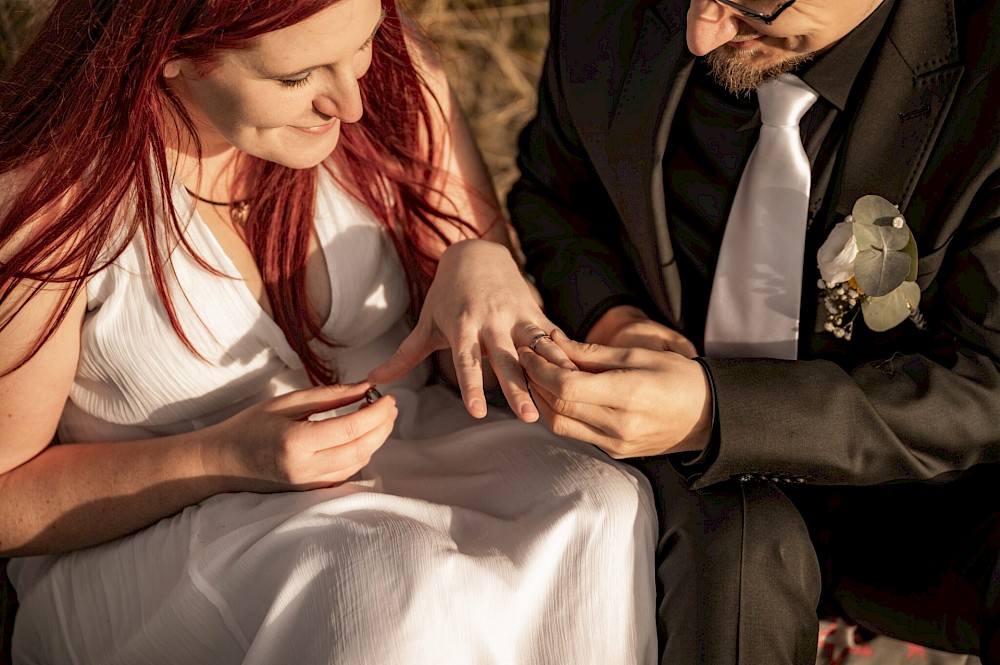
{"points": [[317, 130]]}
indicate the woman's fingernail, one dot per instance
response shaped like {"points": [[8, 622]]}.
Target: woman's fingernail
{"points": [[477, 407]]}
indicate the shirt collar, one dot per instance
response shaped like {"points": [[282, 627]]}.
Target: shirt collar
{"points": [[832, 74]]}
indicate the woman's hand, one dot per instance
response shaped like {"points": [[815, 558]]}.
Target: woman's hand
{"points": [[273, 446], [479, 306]]}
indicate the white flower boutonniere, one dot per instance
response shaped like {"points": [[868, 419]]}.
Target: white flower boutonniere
{"points": [[869, 259]]}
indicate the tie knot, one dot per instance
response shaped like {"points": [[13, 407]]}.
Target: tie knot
{"points": [[784, 100]]}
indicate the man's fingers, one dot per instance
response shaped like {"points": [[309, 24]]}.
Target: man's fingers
{"points": [[683, 346], [601, 418], [594, 357], [568, 385], [568, 426], [548, 349]]}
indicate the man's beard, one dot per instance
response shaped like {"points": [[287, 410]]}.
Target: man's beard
{"points": [[734, 71]]}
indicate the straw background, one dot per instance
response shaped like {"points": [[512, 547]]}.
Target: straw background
{"points": [[492, 51]]}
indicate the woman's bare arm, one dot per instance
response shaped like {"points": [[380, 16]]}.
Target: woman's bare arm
{"points": [[57, 497]]}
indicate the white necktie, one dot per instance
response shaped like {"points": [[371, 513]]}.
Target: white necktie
{"points": [[754, 306]]}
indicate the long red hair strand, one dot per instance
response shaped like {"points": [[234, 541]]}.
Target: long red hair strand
{"points": [[82, 116]]}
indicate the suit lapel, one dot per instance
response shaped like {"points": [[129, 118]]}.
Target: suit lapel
{"points": [[901, 109], [637, 137]]}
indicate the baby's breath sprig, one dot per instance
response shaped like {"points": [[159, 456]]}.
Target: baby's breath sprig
{"points": [[841, 307]]}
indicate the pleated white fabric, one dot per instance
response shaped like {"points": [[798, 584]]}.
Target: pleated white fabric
{"points": [[753, 310], [462, 542]]}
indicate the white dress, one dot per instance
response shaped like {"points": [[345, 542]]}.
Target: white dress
{"points": [[462, 542]]}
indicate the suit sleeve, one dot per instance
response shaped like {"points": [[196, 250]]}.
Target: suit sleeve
{"points": [[568, 228], [924, 404], [908, 403]]}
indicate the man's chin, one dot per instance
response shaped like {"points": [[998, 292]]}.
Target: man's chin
{"points": [[738, 73]]}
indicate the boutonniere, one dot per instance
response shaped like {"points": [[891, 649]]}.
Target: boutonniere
{"points": [[869, 261]]}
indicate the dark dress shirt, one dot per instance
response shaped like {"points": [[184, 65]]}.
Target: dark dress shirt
{"points": [[711, 140]]}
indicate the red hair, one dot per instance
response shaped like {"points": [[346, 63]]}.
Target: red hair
{"points": [[81, 114]]}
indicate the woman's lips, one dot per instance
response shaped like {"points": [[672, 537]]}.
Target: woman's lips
{"points": [[316, 130]]}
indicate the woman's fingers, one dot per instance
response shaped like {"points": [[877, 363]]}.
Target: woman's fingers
{"points": [[475, 344], [363, 432], [467, 356], [504, 361], [501, 350], [299, 404], [341, 429], [417, 346]]}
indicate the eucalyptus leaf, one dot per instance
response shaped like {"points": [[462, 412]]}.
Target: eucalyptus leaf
{"points": [[882, 313], [911, 251], [879, 272], [878, 236], [870, 208]]}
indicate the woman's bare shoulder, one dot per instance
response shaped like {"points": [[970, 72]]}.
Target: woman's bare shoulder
{"points": [[13, 185]]}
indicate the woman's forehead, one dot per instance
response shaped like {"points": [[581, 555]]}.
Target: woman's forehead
{"points": [[329, 36]]}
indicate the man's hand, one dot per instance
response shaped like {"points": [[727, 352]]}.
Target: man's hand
{"points": [[629, 402], [629, 327]]}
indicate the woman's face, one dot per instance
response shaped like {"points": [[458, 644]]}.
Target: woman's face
{"points": [[283, 97]]}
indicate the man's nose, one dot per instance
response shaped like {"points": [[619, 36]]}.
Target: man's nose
{"points": [[710, 24]]}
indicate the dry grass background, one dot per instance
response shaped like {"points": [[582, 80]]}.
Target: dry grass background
{"points": [[491, 49]]}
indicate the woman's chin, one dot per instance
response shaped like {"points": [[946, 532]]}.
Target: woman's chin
{"points": [[299, 154]]}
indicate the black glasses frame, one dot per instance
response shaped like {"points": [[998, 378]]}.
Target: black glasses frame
{"points": [[767, 19]]}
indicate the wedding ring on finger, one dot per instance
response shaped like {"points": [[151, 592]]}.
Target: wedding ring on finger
{"points": [[536, 339]]}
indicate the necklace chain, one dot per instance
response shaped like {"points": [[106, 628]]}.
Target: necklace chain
{"points": [[238, 210]]}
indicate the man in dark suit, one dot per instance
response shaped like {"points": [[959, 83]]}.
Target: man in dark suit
{"points": [[856, 476]]}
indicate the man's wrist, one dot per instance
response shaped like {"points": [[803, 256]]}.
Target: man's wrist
{"points": [[705, 430]]}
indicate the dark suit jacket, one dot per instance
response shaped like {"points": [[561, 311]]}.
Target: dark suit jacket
{"points": [[923, 132]]}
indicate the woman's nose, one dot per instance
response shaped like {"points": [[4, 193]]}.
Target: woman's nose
{"points": [[341, 99], [710, 24]]}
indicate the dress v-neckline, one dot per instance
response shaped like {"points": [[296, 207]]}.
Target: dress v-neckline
{"points": [[275, 336]]}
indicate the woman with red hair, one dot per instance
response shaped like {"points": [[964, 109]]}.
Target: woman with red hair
{"points": [[217, 220]]}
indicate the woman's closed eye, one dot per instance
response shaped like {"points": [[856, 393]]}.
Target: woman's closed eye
{"points": [[295, 82], [303, 79]]}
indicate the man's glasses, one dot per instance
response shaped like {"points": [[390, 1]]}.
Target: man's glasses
{"points": [[755, 15]]}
